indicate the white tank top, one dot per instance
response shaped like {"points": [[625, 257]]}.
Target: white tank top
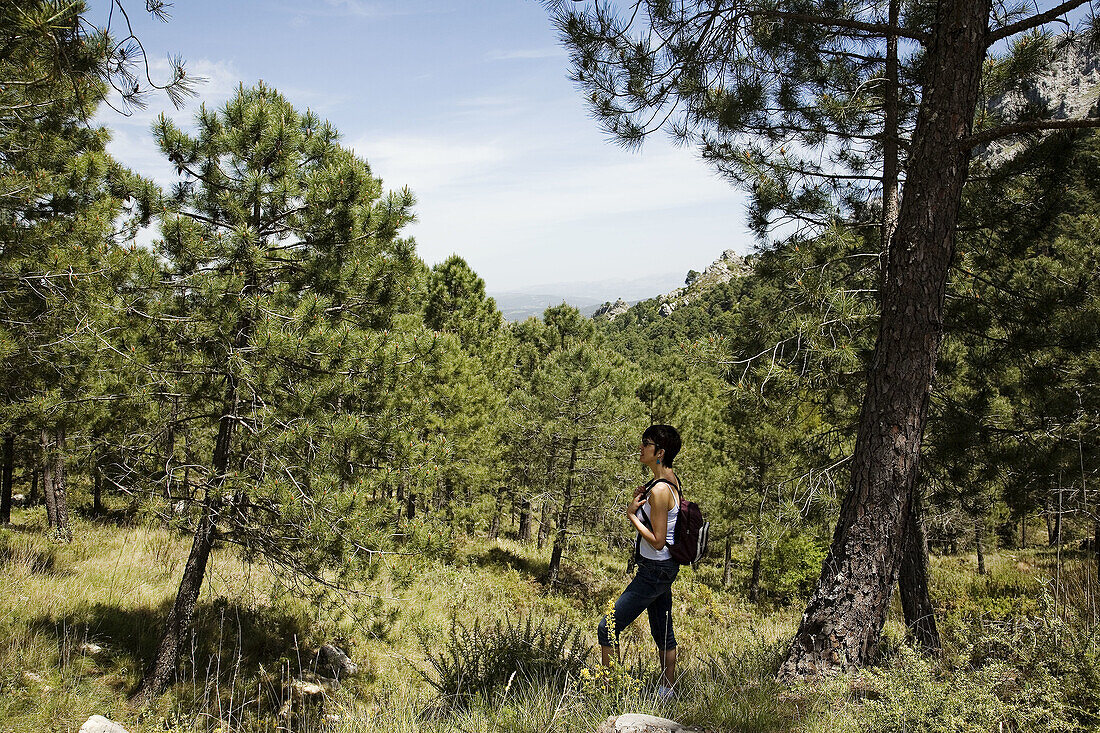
{"points": [[644, 548]]}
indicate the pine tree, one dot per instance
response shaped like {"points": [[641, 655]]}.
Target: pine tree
{"points": [[285, 273], [768, 92], [63, 215], [456, 302]]}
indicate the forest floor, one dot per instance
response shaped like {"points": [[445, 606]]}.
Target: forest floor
{"points": [[1014, 658]]}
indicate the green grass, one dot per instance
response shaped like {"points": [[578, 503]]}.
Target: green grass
{"points": [[112, 586]]}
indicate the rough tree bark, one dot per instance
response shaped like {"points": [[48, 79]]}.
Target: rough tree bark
{"points": [[54, 484], [32, 497], [47, 478], [727, 563], [979, 543], [498, 509], [525, 520], [913, 582], [97, 485], [754, 579], [843, 621], [162, 670], [544, 524]]}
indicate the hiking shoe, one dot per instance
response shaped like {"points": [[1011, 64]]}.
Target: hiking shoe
{"points": [[665, 693]]}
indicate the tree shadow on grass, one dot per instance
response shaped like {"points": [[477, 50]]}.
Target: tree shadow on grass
{"points": [[37, 560], [118, 516], [229, 641], [501, 557]]}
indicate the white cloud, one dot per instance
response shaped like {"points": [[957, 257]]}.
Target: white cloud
{"points": [[369, 9], [361, 8], [427, 164], [549, 210]]}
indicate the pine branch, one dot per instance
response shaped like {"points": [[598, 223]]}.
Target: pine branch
{"points": [[1023, 128], [1034, 21], [881, 29]]}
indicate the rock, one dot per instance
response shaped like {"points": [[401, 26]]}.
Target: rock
{"points": [[99, 724], [1066, 89], [301, 694], [611, 311], [638, 723], [333, 660], [18, 499], [89, 649], [306, 691], [33, 678], [722, 270]]}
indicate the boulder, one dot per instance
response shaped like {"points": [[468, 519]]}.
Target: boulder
{"points": [[638, 723], [34, 679], [99, 724], [18, 499], [666, 310], [334, 662]]}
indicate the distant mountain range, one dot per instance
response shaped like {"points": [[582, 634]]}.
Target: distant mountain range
{"points": [[519, 304]]}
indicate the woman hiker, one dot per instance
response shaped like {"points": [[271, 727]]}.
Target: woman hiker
{"points": [[652, 510]]}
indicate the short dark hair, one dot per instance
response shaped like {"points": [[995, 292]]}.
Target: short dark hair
{"points": [[665, 437]]}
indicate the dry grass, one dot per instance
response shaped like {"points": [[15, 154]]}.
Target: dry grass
{"points": [[112, 587]]}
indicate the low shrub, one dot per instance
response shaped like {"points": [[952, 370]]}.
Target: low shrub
{"points": [[1034, 674], [509, 654]]}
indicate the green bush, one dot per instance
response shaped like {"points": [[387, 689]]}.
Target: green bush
{"points": [[789, 571], [510, 655], [918, 697], [1033, 674]]}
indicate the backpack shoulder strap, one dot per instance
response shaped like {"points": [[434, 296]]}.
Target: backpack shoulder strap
{"points": [[676, 486]]}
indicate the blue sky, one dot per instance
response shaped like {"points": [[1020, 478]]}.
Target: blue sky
{"points": [[469, 104]]}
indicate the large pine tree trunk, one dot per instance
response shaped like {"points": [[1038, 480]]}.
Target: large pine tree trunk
{"points": [[5, 478], [64, 528], [754, 579], [563, 517], [544, 524], [97, 485], [913, 582], [979, 543], [32, 497], [498, 509], [727, 564], [843, 621], [1096, 544]]}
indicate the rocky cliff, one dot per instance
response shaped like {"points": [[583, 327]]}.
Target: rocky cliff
{"points": [[1069, 88], [722, 270]]}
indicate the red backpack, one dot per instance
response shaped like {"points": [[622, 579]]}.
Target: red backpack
{"points": [[692, 532], [689, 538]]}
